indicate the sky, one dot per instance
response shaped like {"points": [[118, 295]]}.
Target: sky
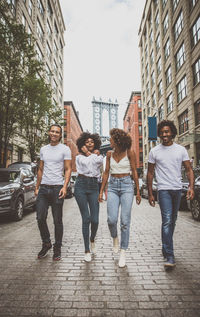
{"points": [[101, 54]]}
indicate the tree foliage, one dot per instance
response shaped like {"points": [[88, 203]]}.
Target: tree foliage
{"points": [[25, 98]]}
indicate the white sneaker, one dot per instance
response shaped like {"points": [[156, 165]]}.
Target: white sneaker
{"points": [[115, 245], [93, 247], [122, 258], [87, 257]]}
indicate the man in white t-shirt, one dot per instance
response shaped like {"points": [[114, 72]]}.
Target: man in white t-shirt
{"points": [[167, 159], [55, 159]]}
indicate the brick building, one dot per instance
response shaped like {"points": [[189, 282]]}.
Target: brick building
{"points": [[133, 124], [72, 129]]}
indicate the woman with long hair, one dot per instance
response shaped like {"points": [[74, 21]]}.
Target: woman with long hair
{"points": [[120, 164], [88, 165]]}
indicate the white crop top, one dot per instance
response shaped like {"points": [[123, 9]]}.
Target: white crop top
{"points": [[122, 167]]}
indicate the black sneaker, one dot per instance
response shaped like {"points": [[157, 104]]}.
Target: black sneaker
{"points": [[45, 248], [56, 253]]}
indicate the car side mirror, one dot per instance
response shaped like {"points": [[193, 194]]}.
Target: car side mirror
{"points": [[27, 180]]}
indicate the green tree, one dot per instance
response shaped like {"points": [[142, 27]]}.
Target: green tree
{"points": [[25, 98]]}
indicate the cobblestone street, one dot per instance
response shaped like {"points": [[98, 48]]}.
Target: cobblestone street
{"points": [[72, 287]]}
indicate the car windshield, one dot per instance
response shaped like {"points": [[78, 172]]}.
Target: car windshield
{"points": [[9, 176]]}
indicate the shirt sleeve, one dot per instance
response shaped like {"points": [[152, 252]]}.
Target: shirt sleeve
{"points": [[151, 158], [185, 155], [67, 153]]}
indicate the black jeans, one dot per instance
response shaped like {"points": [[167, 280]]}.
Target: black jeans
{"points": [[49, 196]]}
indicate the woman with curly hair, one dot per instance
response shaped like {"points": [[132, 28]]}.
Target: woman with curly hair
{"points": [[88, 164], [120, 163]]}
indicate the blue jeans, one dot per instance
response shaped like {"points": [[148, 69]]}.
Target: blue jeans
{"points": [[120, 192], [169, 201], [86, 193], [48, 196]]}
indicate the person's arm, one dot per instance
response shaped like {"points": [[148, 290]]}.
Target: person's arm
{"points": [[68, 170], [132, 159], [150, 174], [39, 176], [190, 176], [105, 176]]}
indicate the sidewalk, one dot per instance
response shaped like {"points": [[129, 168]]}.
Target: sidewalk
{"points": [[71, 287]]}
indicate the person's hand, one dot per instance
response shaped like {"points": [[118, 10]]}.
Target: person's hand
{"points": [[96, 152], [100, 198], [85, 150], [36, 191], [138, 199], [152, 200], [190, 194], [62, 193]]}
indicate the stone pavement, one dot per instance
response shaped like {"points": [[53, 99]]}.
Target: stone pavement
{"points": [[71, 287]]}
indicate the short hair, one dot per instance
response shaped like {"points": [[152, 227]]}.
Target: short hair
{"points": [[167, 123], [121, 138], [80, 142], [56, 125]]}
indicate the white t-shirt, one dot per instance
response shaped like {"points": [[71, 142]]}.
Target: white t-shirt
{"points": [[53, 157], [168, 162], [89, 165]]}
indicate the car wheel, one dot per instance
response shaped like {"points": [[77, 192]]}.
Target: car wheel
{"points": [[195, 209], [19, 210]]}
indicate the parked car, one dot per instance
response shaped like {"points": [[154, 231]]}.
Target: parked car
{"points": [[144, 188], [185, 204], [194, 205], [31, 165], [17, 187]]}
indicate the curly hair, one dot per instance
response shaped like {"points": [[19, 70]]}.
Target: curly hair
{"points": [[84, 137], [121, 139], [167, 123]]}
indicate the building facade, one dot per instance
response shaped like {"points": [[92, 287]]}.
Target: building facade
{"points": [[72, 129], [132, 123], [170, 70], [44, 20]]}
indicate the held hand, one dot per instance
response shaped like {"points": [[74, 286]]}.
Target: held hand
{"points": [[96, 152], [100, 198], [62, 193], [152, 201], [36, 191], [190, 194], [138, 199], [85, 150]]}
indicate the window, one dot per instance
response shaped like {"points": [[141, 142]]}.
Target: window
{"points": [[161, 113], [48, 71], [40, 7], [49, 9], [140, 116], [166, 24], [147, 88], [154, 99], [196, 72], [164, 2], [192, 3], [167, 49], [144, 113], [23, 20], [40, 31], [160, 89], [197, 112], [168, 75], [157, 42], [183, 122], [60, 78], [65, 112], [151, 37], [49, 32], [157, 20], [145, 149], [153, 78], [55, 86], [195, 32], [145, 132], [175, 4], [48, 51], [169, 103], [159, 66], [55, 28], [146, 51], [151, 58], [180, 57], [139, 104], [30, 8], [39, 53], [55, 66], [182, 89], [178, 26], [140, 130], [140, 143], [147, 70], [55, 48]]}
